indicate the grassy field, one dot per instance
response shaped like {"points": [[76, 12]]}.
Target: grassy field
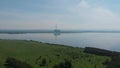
{"points": [[34, 52]]}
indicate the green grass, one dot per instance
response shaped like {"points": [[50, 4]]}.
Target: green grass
{"points": [[31, 51]]}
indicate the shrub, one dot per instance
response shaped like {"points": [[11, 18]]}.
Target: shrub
{"points": [[65, 64], [14, 63], [43, 62]]}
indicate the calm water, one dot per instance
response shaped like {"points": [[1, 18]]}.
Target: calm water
{"points": [[110, 41]]}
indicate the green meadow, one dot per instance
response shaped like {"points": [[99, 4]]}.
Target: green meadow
{"points": [[45, 55]]}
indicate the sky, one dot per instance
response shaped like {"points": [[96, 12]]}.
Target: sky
{"points": [[66, 14]]}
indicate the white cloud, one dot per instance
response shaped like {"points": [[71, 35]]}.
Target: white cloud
{"points": [[96, 17], [85, 14], [83, 4], [25, 20], [101, 11]]}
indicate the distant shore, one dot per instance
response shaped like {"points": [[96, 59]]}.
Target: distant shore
{"points": [[61, 31]]}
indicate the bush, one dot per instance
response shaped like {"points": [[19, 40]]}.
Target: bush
{"points": [[43, 62], [65, 64], [14, 63]]}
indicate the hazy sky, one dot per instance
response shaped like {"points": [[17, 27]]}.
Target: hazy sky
{"points": [[67, 14]]}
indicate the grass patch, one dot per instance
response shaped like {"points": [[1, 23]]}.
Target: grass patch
{"points": [[49, 55]]}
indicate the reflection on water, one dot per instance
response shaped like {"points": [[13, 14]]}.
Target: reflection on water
{"points": [[56, 34], [109, 41]]}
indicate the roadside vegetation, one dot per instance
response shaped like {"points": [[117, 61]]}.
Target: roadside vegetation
{"points": [[32, 54]]}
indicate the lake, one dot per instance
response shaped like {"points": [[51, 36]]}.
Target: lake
{"points": [[110, 41]]}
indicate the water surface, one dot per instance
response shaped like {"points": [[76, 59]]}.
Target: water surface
{"points": [[110, 41]]}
